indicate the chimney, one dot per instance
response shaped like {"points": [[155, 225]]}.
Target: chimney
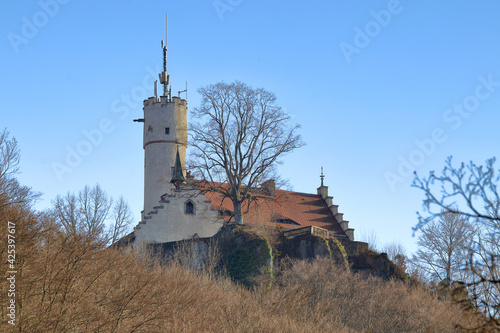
{"points": [[269, 187]]}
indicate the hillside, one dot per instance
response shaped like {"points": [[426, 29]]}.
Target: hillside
{"points": [[69, 283]]}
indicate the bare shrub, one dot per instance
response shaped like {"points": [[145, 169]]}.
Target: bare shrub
{"points": [[70, 284], [202, 257], [330, 295], [370, 237]]}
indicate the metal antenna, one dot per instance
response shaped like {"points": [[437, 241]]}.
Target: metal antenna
{"points": [[164, 77], [185, 90]]}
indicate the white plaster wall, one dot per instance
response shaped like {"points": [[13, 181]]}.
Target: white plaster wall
{"points": [[173, 224]]}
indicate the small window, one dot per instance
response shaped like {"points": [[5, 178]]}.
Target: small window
{"points": [[189, 208], [167, 130]]}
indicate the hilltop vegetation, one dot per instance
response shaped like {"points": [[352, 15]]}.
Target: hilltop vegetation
{"points": [[68, 280], [74, 284]]}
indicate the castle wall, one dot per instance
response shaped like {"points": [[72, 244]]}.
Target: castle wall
{"points": [[169, 222]]}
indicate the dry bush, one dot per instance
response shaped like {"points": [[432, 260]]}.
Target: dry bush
{"points": [[328, 294], [68, 283], [71, 284], [272, 234], [202, 257]]}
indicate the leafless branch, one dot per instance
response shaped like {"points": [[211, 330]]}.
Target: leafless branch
{"points": [[241, 136]]}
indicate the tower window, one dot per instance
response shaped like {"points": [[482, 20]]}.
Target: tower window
{"points": [[189, 209], [167, 130]]}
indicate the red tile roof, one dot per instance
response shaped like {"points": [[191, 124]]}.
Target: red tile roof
{"points": [[290, 209]]}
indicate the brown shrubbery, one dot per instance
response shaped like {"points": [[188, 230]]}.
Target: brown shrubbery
{"points": [[74, 284], [68, 281], [329, 294]]}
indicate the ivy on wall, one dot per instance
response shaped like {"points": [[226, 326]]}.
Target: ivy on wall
{"points": [[243, 263]]}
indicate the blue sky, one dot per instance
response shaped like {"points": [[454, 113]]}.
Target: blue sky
{"points": [[381, 88]]}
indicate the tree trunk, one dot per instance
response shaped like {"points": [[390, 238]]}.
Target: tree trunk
{"points": [[448, 267], [238, 216]]}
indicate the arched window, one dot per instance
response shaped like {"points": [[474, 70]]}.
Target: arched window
{"points": [[189, 208]]}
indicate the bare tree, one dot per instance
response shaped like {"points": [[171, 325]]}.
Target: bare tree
{"points": [[11, 192], [394, 249], [444, 247], [88, 212], [122, 217], [239, 141], [469, 190], [397, 254], [370, 237], [472, 191]]}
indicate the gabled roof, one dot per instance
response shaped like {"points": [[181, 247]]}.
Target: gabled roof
{"points": [[290, 209]]}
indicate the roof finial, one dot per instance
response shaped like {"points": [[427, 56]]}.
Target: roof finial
{"points": [[322, 176]]}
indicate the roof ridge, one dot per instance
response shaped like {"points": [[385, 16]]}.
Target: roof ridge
{"points": [[304, 193]]}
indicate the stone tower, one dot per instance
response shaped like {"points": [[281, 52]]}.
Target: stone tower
{"points": [[174, 210], [165, 134], [165, 131]]}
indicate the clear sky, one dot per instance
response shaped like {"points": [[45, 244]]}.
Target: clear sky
{"points": [[381, 88]]}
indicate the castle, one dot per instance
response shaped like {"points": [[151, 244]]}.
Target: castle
{"points": [[177, 207]]}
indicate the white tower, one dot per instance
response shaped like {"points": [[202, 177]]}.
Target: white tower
{"points": [[165, 131], [182, 213]]}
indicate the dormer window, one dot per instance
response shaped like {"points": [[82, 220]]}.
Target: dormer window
{"points": [[189, 208], [286, 221], [283, 220]]}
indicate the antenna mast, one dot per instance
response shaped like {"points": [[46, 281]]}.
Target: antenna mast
{"points": [[164, 77], [185, 90]]}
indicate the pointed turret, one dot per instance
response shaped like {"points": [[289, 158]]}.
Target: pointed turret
{"points": [[177, 177]]}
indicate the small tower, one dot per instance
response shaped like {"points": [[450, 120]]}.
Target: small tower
{"points": [[165, 136]]}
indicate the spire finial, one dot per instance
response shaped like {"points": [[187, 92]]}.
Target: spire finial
{"points": [[322, 176]]}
